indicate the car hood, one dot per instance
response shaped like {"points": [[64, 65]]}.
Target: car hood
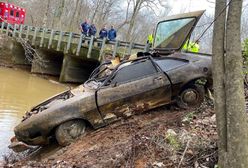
{"points": [[173, 32], [57, 99]]}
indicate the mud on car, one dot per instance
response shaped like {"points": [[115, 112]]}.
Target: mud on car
{"points": [[154, 79]]}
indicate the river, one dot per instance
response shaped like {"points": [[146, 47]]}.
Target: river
{"points": [[19, 91]]}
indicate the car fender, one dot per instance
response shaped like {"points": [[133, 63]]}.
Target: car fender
{"points": [[46, 121], [192, 80]]}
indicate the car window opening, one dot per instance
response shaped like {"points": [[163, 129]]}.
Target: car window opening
{"points": [[11, 13], [168, 30], [106, 73], [134, 71]]}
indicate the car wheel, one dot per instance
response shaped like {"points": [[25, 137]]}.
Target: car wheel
{"points": [[67, 132], [191, 97]]}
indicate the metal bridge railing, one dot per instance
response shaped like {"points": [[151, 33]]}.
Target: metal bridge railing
{"points": [[69, 39]]}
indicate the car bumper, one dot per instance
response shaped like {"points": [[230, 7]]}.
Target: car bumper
{"points": [[39, 140], [18, 146]]}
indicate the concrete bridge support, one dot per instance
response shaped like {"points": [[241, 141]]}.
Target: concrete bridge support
{"points": [[5, 49], [48, 62], [18, 53], [77, 70]]}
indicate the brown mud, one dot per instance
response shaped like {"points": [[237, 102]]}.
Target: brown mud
{"points": [[159, 138]]}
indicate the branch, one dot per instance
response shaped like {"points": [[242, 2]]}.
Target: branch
{"points": [[184, 152]]}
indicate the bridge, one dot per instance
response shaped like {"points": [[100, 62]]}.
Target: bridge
{"points": [[71, 56]]}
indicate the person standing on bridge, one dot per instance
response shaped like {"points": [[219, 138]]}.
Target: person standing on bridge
{"points": [[92, 30], [112, 34], [85, 28], [103, 33]]}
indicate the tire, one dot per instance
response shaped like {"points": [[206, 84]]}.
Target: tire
{"points": [[190, 97], [67, 132]]}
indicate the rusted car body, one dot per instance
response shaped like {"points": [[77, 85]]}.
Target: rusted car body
{"points": [[132, 87]]}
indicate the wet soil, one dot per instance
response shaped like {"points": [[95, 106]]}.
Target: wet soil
{"points": [[140, 141]]}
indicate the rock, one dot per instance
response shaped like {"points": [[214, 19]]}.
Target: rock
{"points": [[190, 152], [213, 118], [185, 120], [185, 136], [171, 132], [158, 164]]}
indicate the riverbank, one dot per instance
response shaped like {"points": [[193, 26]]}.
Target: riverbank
{"points": [[160, 138]]}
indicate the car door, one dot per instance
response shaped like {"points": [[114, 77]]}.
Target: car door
{"points": [[172, 33], [135, 88]]}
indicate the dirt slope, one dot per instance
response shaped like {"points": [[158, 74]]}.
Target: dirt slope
{"points": [[159, 138]]}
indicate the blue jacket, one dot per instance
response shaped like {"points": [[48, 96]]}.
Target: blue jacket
{"points": [[85, 26], [103, 33], [112, 34], [92, 30]]}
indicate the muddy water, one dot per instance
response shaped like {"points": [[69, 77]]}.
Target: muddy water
{"points": [[19, 91]]}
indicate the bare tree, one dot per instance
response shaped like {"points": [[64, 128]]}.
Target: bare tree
{"points": [[73, 15], [137, 5], [45, 19], [57, 15], [229, 87], [218, 82], [66, 15], [237, 134]]}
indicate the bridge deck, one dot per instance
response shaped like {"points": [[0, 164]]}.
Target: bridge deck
{"points": [[68, 42]]}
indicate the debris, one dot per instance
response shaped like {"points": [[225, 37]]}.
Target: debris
{"points": [[158, 164], [171, 132], [183, 154]]}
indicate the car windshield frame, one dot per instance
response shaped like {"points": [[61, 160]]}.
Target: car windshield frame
{"points": [[170, 37], [105, 83], [93, 82]]}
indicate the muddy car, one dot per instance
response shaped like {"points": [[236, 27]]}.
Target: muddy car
{"points": [[114, 92]]}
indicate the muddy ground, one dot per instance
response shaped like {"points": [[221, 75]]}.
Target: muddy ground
{"points": [[163, 137]]}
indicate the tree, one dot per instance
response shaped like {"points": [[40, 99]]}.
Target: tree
{"points": [[73, 15], [57, 14], [235, 100], [218, 79], [137, 5], [229, 86], [45, 19], [66, 15]]}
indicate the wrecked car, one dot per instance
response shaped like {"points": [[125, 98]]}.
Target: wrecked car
{"points": [[111, 93]]}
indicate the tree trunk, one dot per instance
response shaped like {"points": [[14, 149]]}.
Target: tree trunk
{"points": [[57, 15], [73, 16], [237, 143], [95, 11], [78, 16], [45, 19], [136, 9], [218, 79], [229, 88]]}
